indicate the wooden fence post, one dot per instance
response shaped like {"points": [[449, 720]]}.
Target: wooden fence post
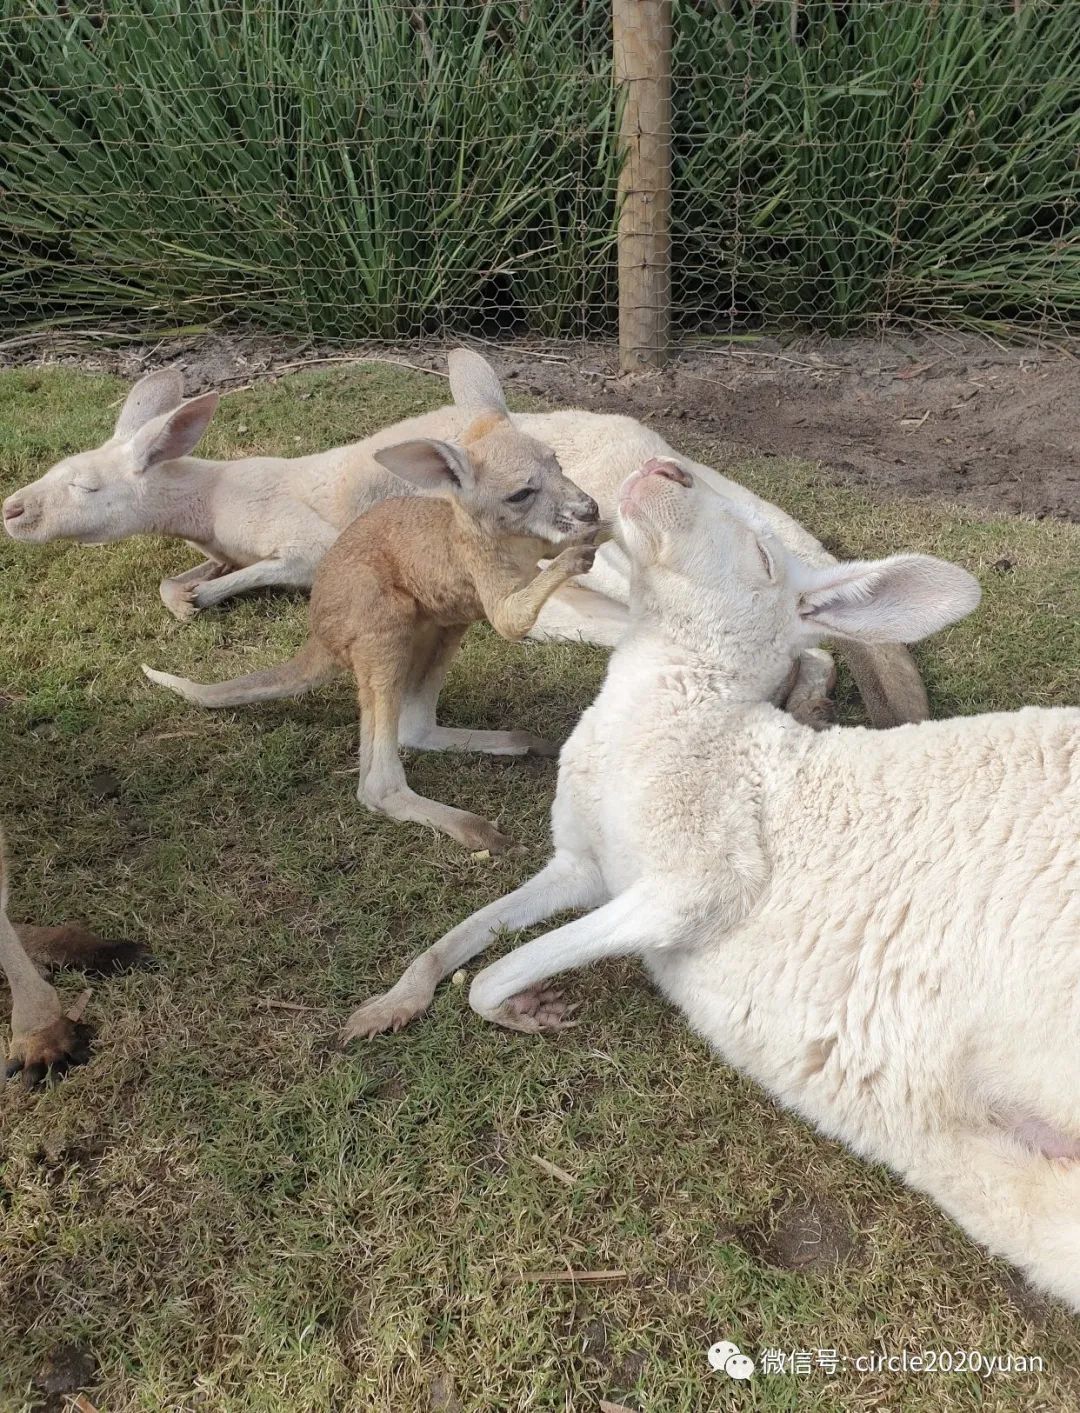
{"points": [[642, 37]]}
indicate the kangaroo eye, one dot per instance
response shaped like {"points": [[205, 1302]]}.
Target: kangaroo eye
{"points": [[766, 561], [79, 486], [519, 496]]}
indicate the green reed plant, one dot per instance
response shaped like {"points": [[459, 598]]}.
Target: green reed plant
{"points": [[402, 167], [894, 160], [306, 164]]}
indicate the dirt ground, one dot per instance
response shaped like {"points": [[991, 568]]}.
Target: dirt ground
{"points": [[952, 416]]}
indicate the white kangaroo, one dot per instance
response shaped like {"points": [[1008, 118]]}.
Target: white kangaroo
{"points": [[883, 929], [261, 521]]}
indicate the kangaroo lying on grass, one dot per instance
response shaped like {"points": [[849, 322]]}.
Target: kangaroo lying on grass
{"points": [[43, 1040], [395, 594], [882, 929], [263, 520]]}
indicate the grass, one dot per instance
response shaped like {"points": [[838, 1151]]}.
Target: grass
{"points": [[913, 161], [392, 169], [347, 170], [229, 1214]]}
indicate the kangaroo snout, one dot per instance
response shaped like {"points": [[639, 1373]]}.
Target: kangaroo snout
{"points": [[13, 508], [670, 470], [586, 510]]}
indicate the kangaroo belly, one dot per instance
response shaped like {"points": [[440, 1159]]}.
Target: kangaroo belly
{"points": [[814, 1042]]}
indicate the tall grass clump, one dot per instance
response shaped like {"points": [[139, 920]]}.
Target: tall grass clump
{"points": [[392, 168], [913, 160], [378, 168]]}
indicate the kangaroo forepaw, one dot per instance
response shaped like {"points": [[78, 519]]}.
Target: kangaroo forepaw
{"points": [[383, 1013], [179, 599]]}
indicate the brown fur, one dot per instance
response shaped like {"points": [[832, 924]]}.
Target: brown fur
{"points": [[424, 558], [395, 593], [479, 428], [44, 1042], [70, 944]]}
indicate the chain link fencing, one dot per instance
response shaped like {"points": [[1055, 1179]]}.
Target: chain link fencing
{"points": [[402, 169]]}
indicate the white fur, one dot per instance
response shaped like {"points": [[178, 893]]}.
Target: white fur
{"points": [[265, 520], [882, 928]]}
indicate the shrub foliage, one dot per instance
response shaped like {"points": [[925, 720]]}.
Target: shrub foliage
{"points": [[400, 167]]}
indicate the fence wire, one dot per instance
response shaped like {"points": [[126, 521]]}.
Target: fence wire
{"points": [[396, 169]]}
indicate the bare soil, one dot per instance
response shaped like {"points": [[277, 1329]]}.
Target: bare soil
{"points": [[943, 415], [68, 1369], [809, 1234]]}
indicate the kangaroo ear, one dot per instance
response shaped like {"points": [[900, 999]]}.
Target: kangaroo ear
{"points": [[897, 600], [151, 396], [473, 384], [174, 434], [431, 465]]}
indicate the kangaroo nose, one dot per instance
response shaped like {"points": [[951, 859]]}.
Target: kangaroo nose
{"points": [[13, 509], [588, 510], [670, 470]]}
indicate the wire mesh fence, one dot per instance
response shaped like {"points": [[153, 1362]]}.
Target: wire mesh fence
{"points": [[396, 169]]}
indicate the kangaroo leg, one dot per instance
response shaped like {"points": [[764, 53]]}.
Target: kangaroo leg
{"points": [[383, 787], [1004, 1190], [491, 743], [419, 729], [568, 881], [43, 1040], [177, 593], [265, 574], [510, 993], [432, 653], [72, 945]]}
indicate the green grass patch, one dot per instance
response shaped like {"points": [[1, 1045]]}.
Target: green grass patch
{"points": [[230, 1214]]}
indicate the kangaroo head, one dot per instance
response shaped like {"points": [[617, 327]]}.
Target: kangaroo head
{"points": [[106, 494], [712, 577], [506, 483]]}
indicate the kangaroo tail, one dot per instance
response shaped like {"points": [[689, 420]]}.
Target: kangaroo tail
{"points": [[312, 665], [1021, 1204], [72, 945], [888, 680]]}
